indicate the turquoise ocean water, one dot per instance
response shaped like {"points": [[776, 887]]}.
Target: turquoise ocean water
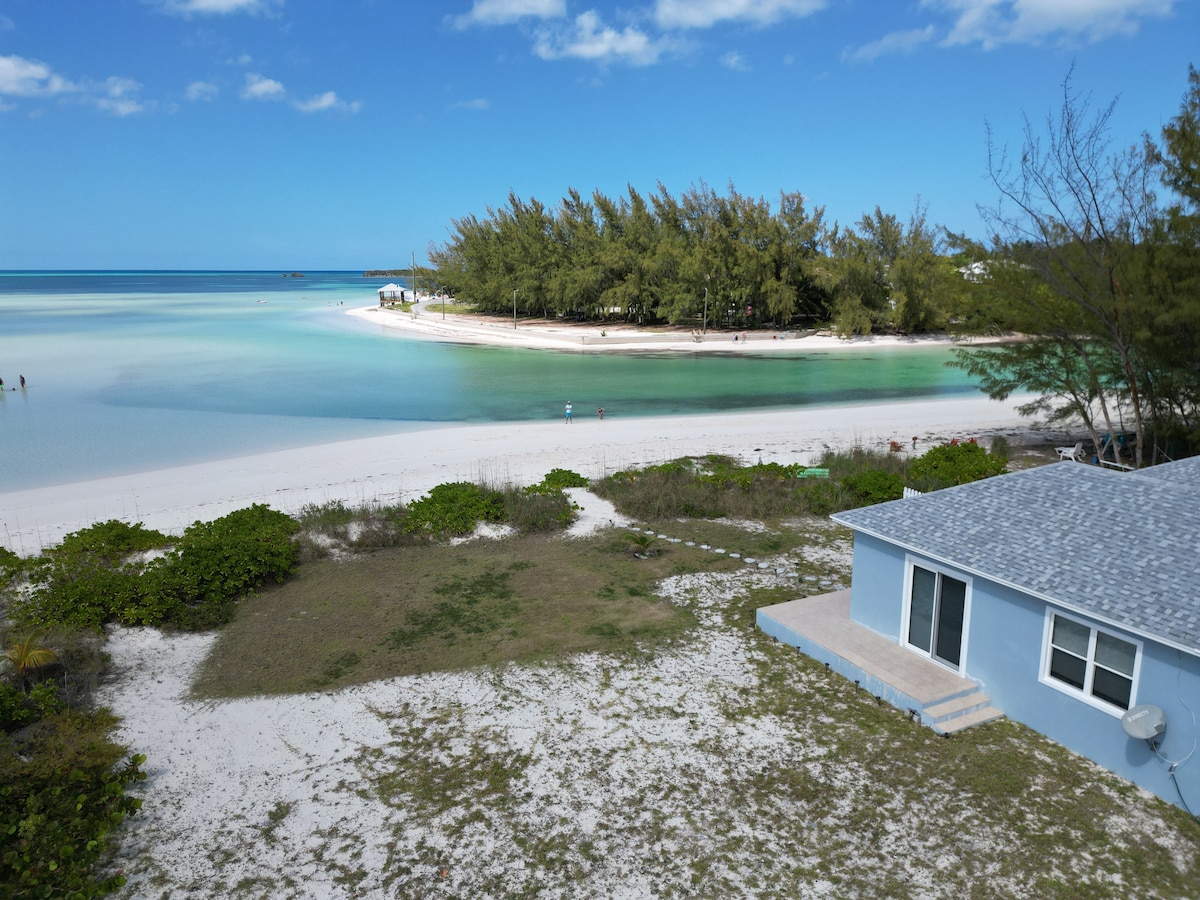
{"points": [[129, 371]]}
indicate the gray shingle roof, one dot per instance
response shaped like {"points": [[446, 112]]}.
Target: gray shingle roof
{"points": [[1121, 546]]}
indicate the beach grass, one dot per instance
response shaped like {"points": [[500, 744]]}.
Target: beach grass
{"points": [[411, 610]]}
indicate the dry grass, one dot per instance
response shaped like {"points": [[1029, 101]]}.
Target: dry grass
{"points": [[411, 610]]}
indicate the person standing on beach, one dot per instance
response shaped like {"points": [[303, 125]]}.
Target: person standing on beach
{"points": [[600, 413], [568, 421], [22, 377]]}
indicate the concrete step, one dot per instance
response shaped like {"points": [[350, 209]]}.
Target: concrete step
{"points": [[976, 717], [956, 706]]}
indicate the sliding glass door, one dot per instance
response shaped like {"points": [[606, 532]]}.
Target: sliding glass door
{"points": [[936, 613]]}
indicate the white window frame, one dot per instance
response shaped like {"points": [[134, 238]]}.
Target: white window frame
{"points": [[906, 611], [1085, 693]]}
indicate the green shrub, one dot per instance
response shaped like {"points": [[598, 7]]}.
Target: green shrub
{"points": [[950, 464], [873, 486], [110, 542], [564, 478], [89, 578], [823, 496], [197, 585], [61, 794], [10, 565], [454, 508]]}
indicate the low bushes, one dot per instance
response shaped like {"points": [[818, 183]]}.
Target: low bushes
{"points": [[706, 487], [715, 486], [62, 792], [62, 788], [101, 574], [954, 463], [449, 510]]}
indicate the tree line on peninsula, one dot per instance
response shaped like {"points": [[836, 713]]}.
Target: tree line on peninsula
{"points": [[1085, 260]]}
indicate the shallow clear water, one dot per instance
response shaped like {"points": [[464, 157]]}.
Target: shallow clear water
{"points": [[133, 371]]}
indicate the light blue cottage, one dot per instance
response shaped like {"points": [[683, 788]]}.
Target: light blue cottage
{"points": [[1060, 596]]}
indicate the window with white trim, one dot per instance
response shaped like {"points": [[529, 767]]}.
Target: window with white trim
{"points": [[1088, 660]]}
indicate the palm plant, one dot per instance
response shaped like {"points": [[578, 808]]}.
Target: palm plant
{"points": [[26, 655], [642, 545]]}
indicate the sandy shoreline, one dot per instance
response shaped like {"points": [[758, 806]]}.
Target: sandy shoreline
{"points": [[426, 320], [401, 466]]}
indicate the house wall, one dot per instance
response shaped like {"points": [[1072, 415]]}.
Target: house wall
{"points": [[1007, 631], [877, 579], [1005, 634]]}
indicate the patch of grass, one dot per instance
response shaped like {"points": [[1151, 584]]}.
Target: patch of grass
{"points": [[432, 608], [714, 486]]}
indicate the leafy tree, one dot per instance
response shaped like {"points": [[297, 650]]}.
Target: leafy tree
{"points": [[644, 259], [1074, 217]]}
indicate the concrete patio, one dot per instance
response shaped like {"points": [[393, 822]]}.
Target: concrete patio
{"points": [[821, 628]]}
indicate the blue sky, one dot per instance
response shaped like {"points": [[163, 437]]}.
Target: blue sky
{"points": [[296, 134]]}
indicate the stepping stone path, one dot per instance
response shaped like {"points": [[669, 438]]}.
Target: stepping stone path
{"points": [[748, 560]]}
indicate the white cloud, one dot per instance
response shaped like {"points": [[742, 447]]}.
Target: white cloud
{"points": [[590, 39], [258, 87], [896, 42], [734, 60], [706, 13], [505, 12], [20, 77], [994, 22], [217, 7], [117, 96], [326, 101], [477, 103], [201, 90]]}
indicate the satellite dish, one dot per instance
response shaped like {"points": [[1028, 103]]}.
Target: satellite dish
{"points": [[1144, 722]]}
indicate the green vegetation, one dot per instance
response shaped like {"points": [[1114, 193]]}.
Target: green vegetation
{"points": [[62, 779], [716, 486], [701, 259], [954, 463], [436, 607], [104, 574], [455, 508]]}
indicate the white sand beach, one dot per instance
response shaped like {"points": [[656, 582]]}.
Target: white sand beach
{"points": [[402, 466]]}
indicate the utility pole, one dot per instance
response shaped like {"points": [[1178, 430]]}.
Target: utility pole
{"points": [[515, 309]]}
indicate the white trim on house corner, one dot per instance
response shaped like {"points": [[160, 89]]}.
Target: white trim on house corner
{"points": [[1081, 694], [926, 563]]}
